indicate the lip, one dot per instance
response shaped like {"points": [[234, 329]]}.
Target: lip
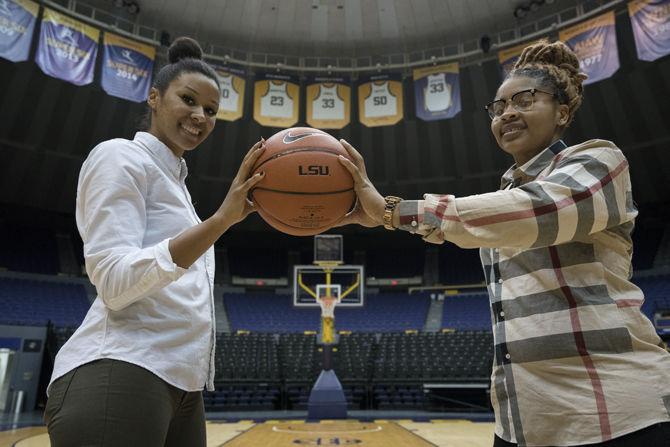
{"points": [[188, 130], [511, 130]]}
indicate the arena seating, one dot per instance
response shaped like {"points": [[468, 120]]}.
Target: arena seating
{"points": [[32, 302], [467, 312], [275, 313]]}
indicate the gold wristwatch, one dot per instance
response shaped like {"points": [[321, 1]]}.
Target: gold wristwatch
{"points": [[391, 203]]}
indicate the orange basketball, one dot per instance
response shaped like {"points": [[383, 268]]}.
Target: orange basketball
{"points": [[306, 190]]}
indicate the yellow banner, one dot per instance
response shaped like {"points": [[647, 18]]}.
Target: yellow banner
{"points": [[60, 19]]}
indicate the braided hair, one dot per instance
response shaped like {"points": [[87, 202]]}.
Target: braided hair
{"points": [[554, 66]]}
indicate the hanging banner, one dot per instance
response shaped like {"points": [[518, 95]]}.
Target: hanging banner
{"points": [[276, 100], [594, 42], [328, 102], [67, 48], [231, 102], [127, 67], [509, 56], [380, 101], [651, 28], [17, 23], [437, 91]]}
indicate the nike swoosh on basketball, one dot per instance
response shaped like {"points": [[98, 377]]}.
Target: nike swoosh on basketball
{"points": [[288, 138]]}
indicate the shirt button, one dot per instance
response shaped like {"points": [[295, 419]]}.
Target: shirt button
{"points": [[502, 314], [507, 356], [414, 224], [500, 281]]}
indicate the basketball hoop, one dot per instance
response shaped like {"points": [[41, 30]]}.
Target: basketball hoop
{"points": [[328, 304]]}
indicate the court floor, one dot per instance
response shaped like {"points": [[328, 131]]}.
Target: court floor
{"points": [[379, 433]]}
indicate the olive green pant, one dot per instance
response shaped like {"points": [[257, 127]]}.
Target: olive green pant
{"points": [[113, 403]]}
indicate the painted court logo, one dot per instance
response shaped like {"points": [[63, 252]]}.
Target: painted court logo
{"points": [[327, 441]]}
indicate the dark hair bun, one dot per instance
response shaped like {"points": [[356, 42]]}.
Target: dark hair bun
{"points": [[184, 48]]}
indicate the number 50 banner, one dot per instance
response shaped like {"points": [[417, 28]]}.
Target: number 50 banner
{"points": [[231, 102], [594, 43]]}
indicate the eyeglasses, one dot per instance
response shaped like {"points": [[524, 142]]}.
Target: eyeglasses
{"points": [[521, 101]]}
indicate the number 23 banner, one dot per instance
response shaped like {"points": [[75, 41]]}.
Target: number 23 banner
{"points": [[437, 91], [594, 43], [276, 100]]}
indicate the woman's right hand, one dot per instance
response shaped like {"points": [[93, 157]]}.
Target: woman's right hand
{"points": [[236, 206], [369, 210]]}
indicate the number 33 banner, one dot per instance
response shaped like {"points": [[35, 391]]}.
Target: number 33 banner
{"points": [[276, 100], [231, 102], [380, 100], [594, 43], [328, 102], [437, 91]]}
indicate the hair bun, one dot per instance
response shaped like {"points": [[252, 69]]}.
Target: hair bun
{"points": [[184, 48]]}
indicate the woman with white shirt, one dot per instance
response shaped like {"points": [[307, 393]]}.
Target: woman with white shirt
{"points": [[133, 373]]}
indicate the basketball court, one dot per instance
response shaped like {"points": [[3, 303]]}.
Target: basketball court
{"points": [[378, 433]]}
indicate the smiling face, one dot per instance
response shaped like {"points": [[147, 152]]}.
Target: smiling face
{"points": [[525, 134], [185, 114]]}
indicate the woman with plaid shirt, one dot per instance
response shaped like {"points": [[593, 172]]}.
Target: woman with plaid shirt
{"points": [[576, 362]]}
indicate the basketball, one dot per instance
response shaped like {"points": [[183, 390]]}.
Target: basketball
{"points": [[306, 190]]}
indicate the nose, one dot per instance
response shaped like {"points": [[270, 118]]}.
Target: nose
{"points": [[509, 113], [198, 114]]}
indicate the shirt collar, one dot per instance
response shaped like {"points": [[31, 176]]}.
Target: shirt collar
{"points": [[529, 170], [175, 165]]}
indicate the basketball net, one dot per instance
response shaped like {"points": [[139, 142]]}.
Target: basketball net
{"points": [[327, 304]]}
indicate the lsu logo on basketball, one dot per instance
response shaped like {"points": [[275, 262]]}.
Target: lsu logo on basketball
{"points": [[313, 170]]}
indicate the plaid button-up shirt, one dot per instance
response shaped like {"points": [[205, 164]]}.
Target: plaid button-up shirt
{"points": [[575, 361]]}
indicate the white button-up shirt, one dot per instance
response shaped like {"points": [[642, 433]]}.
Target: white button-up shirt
{"points": [[131, 200]]}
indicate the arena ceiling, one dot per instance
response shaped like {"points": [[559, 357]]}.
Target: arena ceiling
{"points": [[337, 27]]}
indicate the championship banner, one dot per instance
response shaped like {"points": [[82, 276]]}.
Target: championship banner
{"points": [[126, 68], [437, 91], [17, 23], [231, 102], [67, 48], [380, 101], [276, 100], [594, 43], [328, 102], [651, 28], [509, 56]]}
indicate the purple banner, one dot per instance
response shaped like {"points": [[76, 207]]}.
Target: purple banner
{"points": [[437, 91], [17, 23], [126, 68], [651, 27], [67, 48], [594, 43]]}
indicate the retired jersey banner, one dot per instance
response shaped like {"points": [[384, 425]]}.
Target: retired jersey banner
{"points": [[437, 91], [328, 102], [67, 48], [594, 43], [651, 28], [127, 67], [276, 100], [17, 23], [380, 101], [231, 102], [509, 56]]}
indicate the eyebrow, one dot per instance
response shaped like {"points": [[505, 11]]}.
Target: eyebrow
{"points": [[198, 93]]}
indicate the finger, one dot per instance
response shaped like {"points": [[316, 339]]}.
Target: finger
{"points": [[252, 181], [357, 157], [250, 160], [352, 168]]}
